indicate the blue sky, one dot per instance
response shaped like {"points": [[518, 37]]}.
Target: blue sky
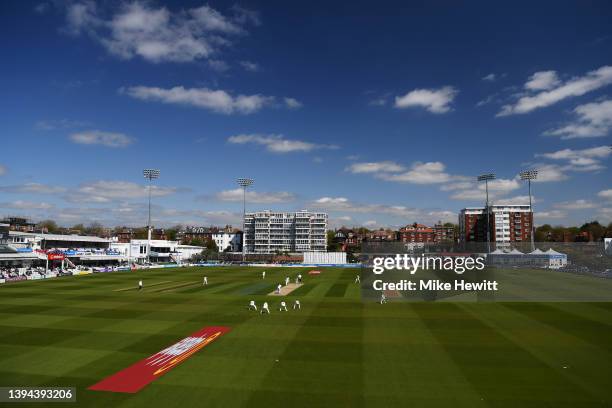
{"points": [[380, 114]]}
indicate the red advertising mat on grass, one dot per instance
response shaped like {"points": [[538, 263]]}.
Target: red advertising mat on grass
{"points": [[137, 376]]}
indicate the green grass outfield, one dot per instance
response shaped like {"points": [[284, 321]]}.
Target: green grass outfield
{"points": [[336, 351]]}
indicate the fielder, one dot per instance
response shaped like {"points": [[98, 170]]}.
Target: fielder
{"points": [[205, 281], [140, 284], [296, 305], [252, 305], [265, 308], [287, 281], [383, 298], [357, 279], [283, 306], [263, 275]]}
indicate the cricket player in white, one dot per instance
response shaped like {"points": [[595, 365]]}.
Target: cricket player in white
{"points": [[140, 284], [383, 298], [357, 279], [205, 281], [278, 289], [283, 306], [265, 308], [263, 275], [252, 305], [299, 278], [296, 305], [287, 281]]}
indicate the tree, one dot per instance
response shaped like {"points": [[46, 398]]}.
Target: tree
{"points": [[79, 227], [95, 228], [140, 233], [595, 229], [49, 225], [332, 245], [211, 246], [197, 242], [171, 232]]}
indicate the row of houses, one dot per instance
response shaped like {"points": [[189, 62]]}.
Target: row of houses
{"points": [[412, 233]]}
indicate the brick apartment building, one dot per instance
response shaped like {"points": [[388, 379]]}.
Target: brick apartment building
{"points": [[423, 233], [416, 233], [507, 223]]}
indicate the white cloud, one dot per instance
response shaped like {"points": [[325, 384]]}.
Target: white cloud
{"points": [[593, 120], [256, 197], [293, 103], [250, 66], [574, 87], [575, 205], [3, 170], [502, 185], [521, 199], [434, 100], [381, 101], [550, 173], [218, 65], [33, 188], [104, 191], [345, 205], [59, 124], [474, 191], [404, 214], [98, 137], [580, 160], [370, 223], [157, 34], [542, 80], [421, 173], [277, 143], [474, 194], [218, 101], [375, 167], [605, 194], [553, 214], [489, 78], [604, 214], [27, 205], [459, 185]]}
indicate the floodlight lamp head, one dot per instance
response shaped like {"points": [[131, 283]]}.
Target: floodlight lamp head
{"points": [[245, 182], [528, 175], [485, 177], [150, 173]]}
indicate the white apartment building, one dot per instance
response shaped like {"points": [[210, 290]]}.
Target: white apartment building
{"points": [[227, 240], [268, 232]]}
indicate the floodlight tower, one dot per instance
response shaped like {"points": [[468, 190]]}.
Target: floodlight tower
{"points": [[530, 175], [150, 174], [486, 178], [244, 183]]}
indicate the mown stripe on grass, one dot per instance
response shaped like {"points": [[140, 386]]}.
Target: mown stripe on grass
{"points": [[171, 286], [591, 331], [303, 290], [337, 290], [525, 378], [135, 287]]}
